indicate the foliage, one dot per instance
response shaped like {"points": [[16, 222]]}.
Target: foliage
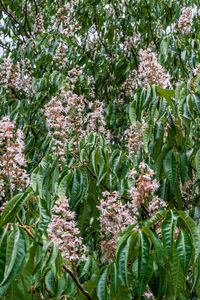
{"points": [[99, 149]]}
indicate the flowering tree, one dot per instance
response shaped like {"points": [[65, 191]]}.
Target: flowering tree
{"points": [[99, 149]]}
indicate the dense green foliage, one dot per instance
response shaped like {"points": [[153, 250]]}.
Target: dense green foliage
{"points": [[99, 114]]}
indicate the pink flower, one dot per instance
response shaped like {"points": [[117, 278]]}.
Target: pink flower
{"points": [[12, 159], [185, 20], [150, 71], [114, 217], [64, 233]]}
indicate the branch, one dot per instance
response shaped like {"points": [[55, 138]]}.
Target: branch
{"points": [[34, 114], [179, 55], [26, 19], [64, 266], [150, 24], [135, 57], [36, 7], [14, 19], [4, 47], [103, 44], [122, 197], [116, 12], [77, 282]]}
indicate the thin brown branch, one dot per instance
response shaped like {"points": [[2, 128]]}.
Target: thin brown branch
{"points": [[134, 56], [36, 7], [77, 282], [73, 276], [13, 18], [26, 19], [181, 61]]}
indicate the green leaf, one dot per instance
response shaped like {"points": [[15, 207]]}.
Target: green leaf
{"points": [[114, 278], [102, 284], [132, 113], [167, 94], [79, 186], [44, 219], [168, 232], [197, 162], [193, 230], [184, 249], [123, 293], [159, 162], [17, 251], [170, 167], [177, 277], [143, 266], [63, 186], [13, 206], [3, 242], [122, 258], [184, 168], [157, 217], [158, 250], [86, 267], [143, 253]]}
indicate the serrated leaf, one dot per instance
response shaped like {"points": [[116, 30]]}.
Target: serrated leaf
{"points": [[193, 230], [169, 164], [102, 284], [168, 232], [17, 256], [122, 258], [184, 249]]}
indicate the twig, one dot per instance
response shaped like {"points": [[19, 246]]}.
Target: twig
{"points": [[101, 41], [14, 19], [26, 19], [64, 266], [135, 57], [150, 25], [84, 4], [36, 7], [34, 114], [77, 282], [179, 55]]}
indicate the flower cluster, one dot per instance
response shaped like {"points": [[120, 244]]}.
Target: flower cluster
{"points": [[185, 20], [71, 116], [134, 137], [12, 160], [159, 29], [39, 25], [92, 40], [130, 84], [15, 75], [95, 120], [64, 233], [64, 117], [150, 71], [196, 71], [130, 41], [190, 191], [67, 119], [64, 20], [148, 294], [144, 188], [113, 219], [60, 55]]}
